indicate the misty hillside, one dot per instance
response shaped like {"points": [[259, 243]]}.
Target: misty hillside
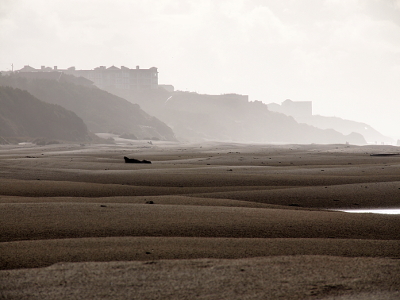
{"points": [[347, 126], [230, 117], [22, 116], [100, 110], [342, 125], [240, 120]]}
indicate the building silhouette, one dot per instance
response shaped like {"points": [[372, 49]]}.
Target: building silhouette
{"points": [[104, 78]]}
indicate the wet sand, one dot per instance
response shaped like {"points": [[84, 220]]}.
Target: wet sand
{"points": [[182, 227]]}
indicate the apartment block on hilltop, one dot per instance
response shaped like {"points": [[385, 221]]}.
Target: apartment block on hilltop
{"points": [[119, 78], [104, 78]]}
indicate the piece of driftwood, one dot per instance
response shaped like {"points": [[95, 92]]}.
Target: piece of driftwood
{"points": [[384, 154], [136, 161]]}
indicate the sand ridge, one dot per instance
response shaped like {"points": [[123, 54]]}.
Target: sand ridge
{"points": [[82, 203]]}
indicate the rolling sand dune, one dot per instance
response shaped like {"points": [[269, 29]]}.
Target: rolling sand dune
{"points": [[209, 221]]}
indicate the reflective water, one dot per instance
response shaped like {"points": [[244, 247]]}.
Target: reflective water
{"points": [[388, 211]]}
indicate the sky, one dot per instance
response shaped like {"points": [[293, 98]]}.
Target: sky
{"points": [[343, 55]]}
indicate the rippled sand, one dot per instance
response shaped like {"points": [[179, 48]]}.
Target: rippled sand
{"points": [[76, 222]]}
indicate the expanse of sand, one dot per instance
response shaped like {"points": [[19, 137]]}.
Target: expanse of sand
{"points": [[203, 221]]}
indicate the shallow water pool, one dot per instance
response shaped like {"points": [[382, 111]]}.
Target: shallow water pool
{"points": [[386, 211]]}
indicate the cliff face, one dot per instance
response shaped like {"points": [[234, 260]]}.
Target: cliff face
{"points": [[301, 115], [100, 110], [24, 116], [234, 118], [348, 126], [231, 117]]}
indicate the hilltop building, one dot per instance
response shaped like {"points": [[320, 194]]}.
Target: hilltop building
{"points": [[119, 78], [104, 78]]}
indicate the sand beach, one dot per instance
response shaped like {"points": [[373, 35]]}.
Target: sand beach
{"points": [[202, 221]]}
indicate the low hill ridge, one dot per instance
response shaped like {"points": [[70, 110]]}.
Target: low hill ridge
{"points": [[24, 116], [230, 117], [100, 110]]}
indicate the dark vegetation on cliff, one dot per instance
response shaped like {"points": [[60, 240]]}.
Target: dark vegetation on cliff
{"points": [[25, 118], [100, 110]]}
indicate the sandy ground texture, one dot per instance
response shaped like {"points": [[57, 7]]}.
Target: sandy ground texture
{"points": [[203, 221], [279, 277]]}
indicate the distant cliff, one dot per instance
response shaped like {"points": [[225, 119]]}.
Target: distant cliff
{"points": [[233, 117], [295, 109], [24, 117], [346, 126], [100, 110], [230, 117]]}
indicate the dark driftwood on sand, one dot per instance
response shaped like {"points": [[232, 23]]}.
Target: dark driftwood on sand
{"points": [[136, 161]]}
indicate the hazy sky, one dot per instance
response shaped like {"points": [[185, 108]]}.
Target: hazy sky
{"points": [[344, 55]]}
